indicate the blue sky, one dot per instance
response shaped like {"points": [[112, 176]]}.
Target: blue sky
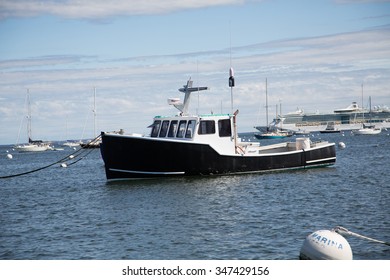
{"points": [[315, 55]]}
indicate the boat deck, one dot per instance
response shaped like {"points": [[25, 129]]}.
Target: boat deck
{"points": [[253, 148]]}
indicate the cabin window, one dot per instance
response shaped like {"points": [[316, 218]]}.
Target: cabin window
{"points": [[190, 129], [172, 129], [155, 128], [181, 129], [164, 129], [224, 128], [206, 127]]}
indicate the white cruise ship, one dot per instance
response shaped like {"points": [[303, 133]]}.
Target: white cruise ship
{"points": [[349, 118]]}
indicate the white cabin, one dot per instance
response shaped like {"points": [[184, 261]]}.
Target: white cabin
{"points": [[215, 130]]}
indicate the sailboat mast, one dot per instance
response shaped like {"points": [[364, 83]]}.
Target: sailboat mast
{"points": [[369, 100], [280, 114], [362, 103], [29, 117], [266, 102], [94, 112]]}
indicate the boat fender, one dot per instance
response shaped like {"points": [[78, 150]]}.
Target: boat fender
{"points": [[341, 145], [325, 245]]}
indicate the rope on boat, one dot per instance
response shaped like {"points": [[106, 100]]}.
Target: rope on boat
{"points": [[82, 153], [342, 231]]}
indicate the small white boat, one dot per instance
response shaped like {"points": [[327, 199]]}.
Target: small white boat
{"points": [[72, 144], [32, 147], [367, 130]]}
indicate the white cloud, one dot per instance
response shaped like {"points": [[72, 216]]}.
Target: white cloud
{"points": [[100, 9], [313, 73]]}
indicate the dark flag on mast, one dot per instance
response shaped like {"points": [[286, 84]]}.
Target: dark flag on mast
{"points": [[231, 78]]}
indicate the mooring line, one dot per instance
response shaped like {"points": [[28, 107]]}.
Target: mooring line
{"points": [[77, 153], [342, 231], [82, 156]]}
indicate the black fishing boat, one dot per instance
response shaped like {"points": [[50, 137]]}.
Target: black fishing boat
{"points": [[191, 145]]}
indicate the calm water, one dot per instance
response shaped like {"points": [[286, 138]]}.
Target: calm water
{"points": [[73, 213]]}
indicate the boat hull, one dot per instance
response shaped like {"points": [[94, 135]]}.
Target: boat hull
{"points": [[365, 131], [329, 131], [128, 157], [31, 148], [261, 136]]}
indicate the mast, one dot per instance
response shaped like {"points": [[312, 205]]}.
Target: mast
{"points": [[369, 101], [266, 103], [94, 111], [29, 134], [280, 114], [231, 85], [187, 89], [362, 103], [231, 72]]}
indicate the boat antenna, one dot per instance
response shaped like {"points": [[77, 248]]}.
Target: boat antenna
{"points": [[230, 42], [197, 77], [231, 71], [231, 85]]}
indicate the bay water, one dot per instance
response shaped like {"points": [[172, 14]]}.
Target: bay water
{"points": [[74, 213]]}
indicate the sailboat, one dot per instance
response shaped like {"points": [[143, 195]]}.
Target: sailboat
{"points": [[272, 132], [32, 145], [367, 129], [95, 143]]}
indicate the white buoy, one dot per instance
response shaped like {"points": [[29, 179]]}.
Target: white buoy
{"points": [[71, 156], [341, 145], [325, 245], [9, 156], [63, 165]]}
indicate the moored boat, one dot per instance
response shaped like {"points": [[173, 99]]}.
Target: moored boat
{"points": [[277, 134], [190, 145], [271, 131], [330, 128], [93, 144], [32, 145], [367, 130], [72, 144]]}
